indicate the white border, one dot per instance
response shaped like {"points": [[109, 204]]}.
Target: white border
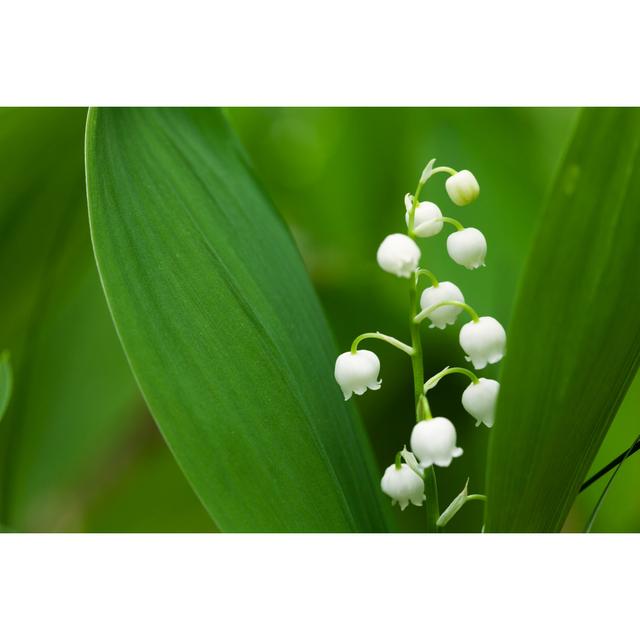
{"points": [[319, 52], [318, 586]]}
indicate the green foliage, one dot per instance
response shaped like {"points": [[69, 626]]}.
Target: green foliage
{"points": [[612, 476], [339, 176], [620, 511], [574, 344], [221, 326], [6, 382], [150, 495], [79, 452], [72, 388]]}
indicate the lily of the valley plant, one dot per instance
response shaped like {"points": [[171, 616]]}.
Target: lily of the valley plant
{"points": [[411, 478]]}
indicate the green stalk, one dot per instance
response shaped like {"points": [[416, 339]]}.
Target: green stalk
{"points": [[422, 406]]}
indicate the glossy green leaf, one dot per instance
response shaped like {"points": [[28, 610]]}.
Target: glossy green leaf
{"points": [[574, 341], [6, 382], [221, 326]]}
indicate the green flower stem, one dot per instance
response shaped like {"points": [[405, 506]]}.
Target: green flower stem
{"points": [[431, 503], [422, 406], [448, 170], [412, 211], [426, 272], [416, 343], [431, 382], [456, 223], [424, 411], [416, 199], [381, 336], [463, 305], [476, 496], [457, 504], [399, 460]]}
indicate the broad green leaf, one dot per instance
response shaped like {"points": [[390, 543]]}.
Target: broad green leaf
{"points": [[574, 341], [6, 382], [73, 393], [221, 326]]}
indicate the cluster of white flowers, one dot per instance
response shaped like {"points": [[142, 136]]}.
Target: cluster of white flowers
{"points": [[483, 339]]}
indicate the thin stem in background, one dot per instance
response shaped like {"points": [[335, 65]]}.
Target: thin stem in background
{"points": [[594, 514], [616, 461]]}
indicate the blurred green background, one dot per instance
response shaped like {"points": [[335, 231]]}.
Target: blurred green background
{"points": [[79, 451]]}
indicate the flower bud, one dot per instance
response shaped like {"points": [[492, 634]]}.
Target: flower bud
{"points": [[484, 341], [355, 372], [467, 247], [403, 486], [463, 188], [480, 398], [427, 220], [398, 254], [434, 442], [445, 315]]}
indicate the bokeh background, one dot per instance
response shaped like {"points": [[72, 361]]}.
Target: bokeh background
{"points": [[79, 451]]}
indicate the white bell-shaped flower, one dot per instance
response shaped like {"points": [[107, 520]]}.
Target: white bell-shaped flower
{"points": [[427, 218], [445, 315], [403, 486], [398, 254], [357, 372], [480, 399], [463, 188], [434, 442], [467, 247], [484, 341]]}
